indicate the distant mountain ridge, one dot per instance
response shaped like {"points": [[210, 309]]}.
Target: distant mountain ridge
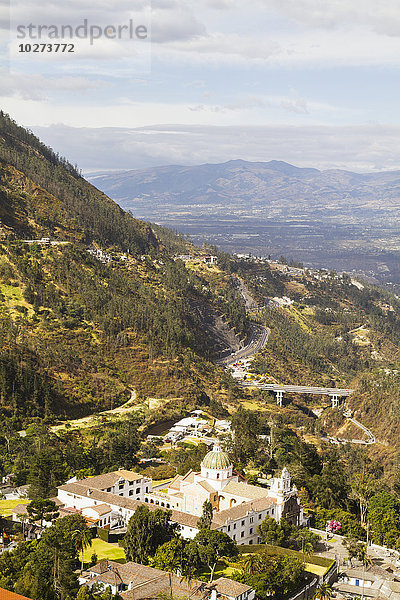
{"points": [[243, 181], [336, 219]]}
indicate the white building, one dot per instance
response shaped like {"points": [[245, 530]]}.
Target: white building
{"points": [[111, 499]]}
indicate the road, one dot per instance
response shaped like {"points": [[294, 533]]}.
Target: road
{"points": [[366, 430], [258, 333], [249, 302], [258, 339]]}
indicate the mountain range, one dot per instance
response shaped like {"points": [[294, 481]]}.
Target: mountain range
{"points": [[331, 218]]}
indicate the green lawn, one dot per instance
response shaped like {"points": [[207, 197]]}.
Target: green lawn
{"points": [[6, 506], [104, 550]]}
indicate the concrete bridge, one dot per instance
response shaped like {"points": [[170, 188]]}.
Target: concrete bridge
{"points": [[334, 393]]}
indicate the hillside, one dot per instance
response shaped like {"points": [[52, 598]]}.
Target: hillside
{"points": [[337, 332], [103, 308], [106, 309], [335, 219]]}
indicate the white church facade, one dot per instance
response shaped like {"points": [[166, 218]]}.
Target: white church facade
{"points": [[238, 507]]}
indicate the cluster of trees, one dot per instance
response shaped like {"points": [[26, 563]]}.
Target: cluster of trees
{"points": [[276, 576], [45, 569], [89, 320], [287, 536], [317, 350], [151, 539], [337, 483], [45, 460]]}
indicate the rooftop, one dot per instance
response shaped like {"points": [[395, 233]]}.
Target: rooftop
{"points": [[147, 582], [107, 480], [245, 490], [6, 595], [241, 510]]}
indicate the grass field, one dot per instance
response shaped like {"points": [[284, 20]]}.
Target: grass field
{"points": [[315, 564], [104, 550], [6, 506]]}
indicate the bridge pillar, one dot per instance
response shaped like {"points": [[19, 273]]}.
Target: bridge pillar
{"points": [[279, 397], [335, 400]]}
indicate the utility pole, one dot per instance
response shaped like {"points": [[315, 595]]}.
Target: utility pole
{"points": [[271, 449], [365, 560]]}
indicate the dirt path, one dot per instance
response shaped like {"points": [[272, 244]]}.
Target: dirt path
{"points": [[92, 420]]}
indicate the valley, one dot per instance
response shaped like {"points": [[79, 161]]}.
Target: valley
{"points": [[172, 397], [334, 219]]}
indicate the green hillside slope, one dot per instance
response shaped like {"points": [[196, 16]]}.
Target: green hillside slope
{"points": [[77, 334]]}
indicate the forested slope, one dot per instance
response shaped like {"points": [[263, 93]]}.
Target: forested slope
{"points": [[76, 334]]}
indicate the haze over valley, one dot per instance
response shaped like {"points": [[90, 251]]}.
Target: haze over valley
{"points": [[332, 218]]}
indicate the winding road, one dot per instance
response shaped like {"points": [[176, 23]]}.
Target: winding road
{"points": [[258, 339]]}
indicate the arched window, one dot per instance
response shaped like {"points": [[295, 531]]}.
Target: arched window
{"points": [[217, 475]]}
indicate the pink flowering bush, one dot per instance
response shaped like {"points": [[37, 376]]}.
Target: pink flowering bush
{"points": [[334, 526]]}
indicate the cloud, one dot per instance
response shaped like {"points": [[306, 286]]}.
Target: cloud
{"points": [[381, 17], [175, 22], [361, 148], [36, 87]]}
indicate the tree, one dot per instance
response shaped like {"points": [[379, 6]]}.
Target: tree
{"points": [[212, 545], [331, 488], [362, 489], [353, 547], [384, 518], [82, 538], [246, 427], [84, 594], [42, 510], [206, 518], [171, 556], [252, 563], [46, 472], [272, 532], [23, 518], [323, 592], [307, 551], [146, 531]]}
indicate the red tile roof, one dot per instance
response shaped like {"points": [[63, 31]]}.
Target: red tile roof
{"points": [[6, 595]]}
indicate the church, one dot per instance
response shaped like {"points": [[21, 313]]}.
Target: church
{"points": [[219, 484], [110, 500]]}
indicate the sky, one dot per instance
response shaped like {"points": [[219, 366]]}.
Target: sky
{"points": [[312, 82]]}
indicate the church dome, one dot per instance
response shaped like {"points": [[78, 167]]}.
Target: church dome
{"points": [[216, 459]]}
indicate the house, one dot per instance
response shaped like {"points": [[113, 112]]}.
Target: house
{"points": [[373, 582], [136, 582], [219, 484], [210, 260], [126, 484]]}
